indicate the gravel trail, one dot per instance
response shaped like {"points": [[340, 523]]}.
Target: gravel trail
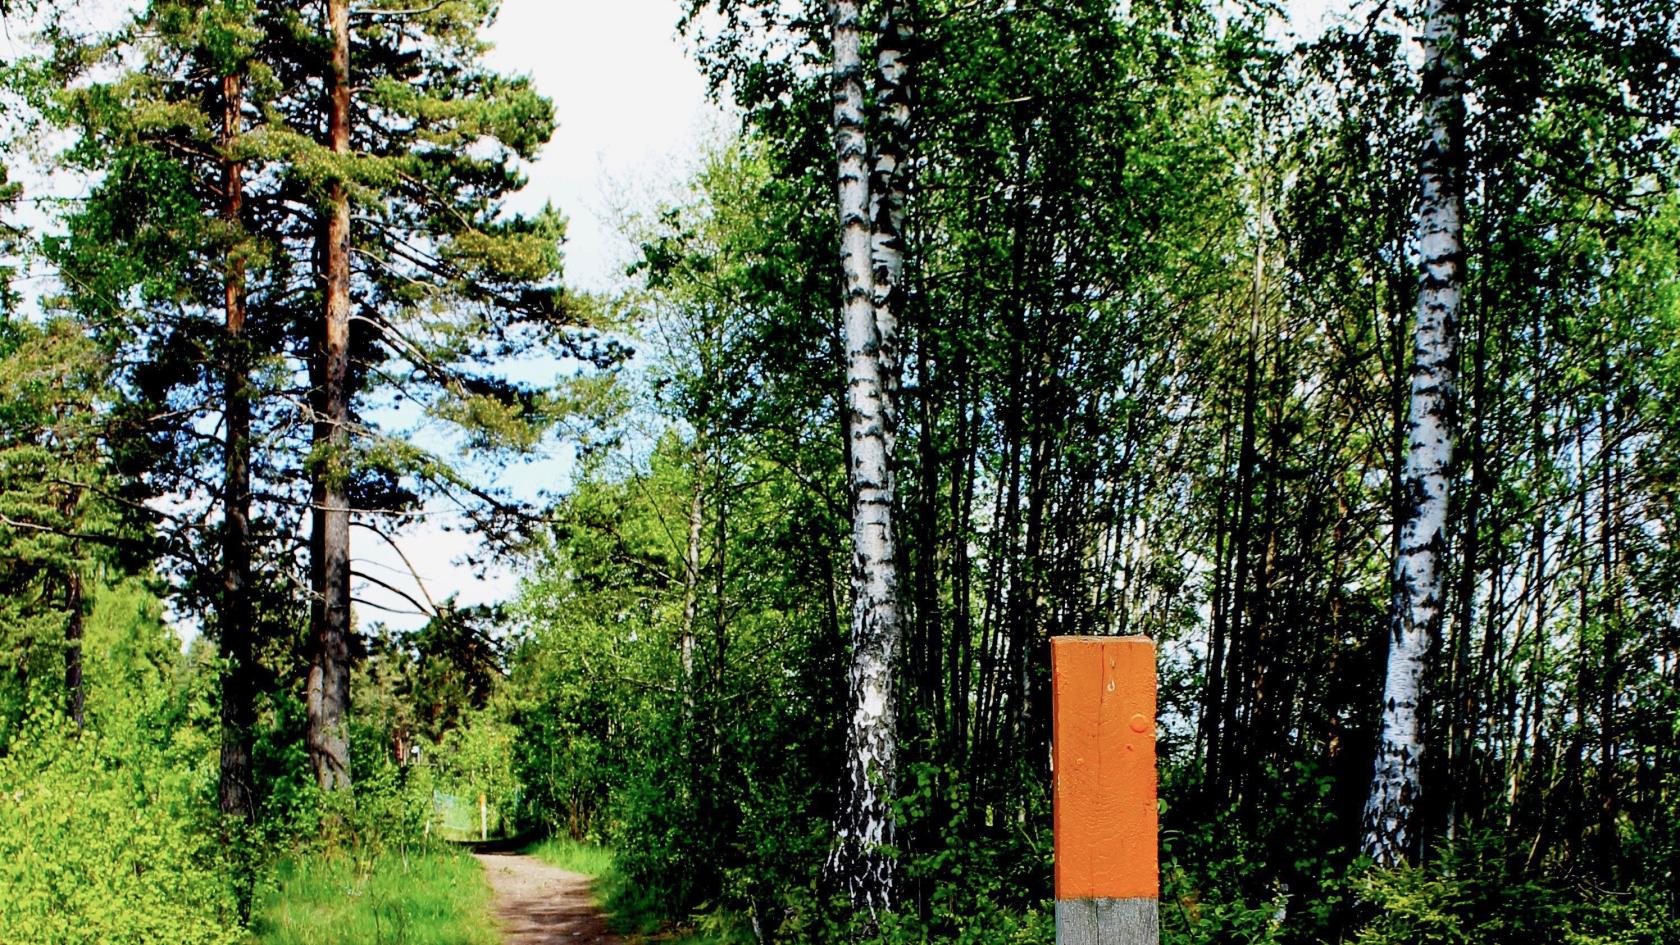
{"points": [[538, 904]]}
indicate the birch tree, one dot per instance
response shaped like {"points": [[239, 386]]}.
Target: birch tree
{"points": [[1419, 583], [871, 266]]}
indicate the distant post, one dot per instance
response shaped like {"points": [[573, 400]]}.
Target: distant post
{"points": [[1108, 876], [483, 819]]}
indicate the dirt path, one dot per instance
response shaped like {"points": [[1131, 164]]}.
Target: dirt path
{"points": [[538, 904]]}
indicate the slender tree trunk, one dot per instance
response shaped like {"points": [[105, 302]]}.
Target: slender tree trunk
{"points": [[1213, 691], [861, 863], [1463, 694], [329, 676], [1418, 575], [75, 694], [1610, 595], [1238, 659], [691, 582], [235, 617]]}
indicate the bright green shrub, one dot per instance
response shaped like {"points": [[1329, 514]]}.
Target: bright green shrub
{"points": [[106, 838]]}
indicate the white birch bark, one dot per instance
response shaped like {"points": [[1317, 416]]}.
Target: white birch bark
{"points": [[1418, 575], [860, 863], [888, 193]]}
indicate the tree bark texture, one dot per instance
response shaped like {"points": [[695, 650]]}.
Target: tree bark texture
{"points": [[1421, 519], [75, 694], [329, 674], [235, 613], [691, 585], [888, 193], [871, 268]]}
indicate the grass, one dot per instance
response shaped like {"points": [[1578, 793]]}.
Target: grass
{"points": [[433, 898], [575, 856]]}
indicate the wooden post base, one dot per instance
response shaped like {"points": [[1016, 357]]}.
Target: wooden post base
{"points": [[1107, 836], [1107, 921]]}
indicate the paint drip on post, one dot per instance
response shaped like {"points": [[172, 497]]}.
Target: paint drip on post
{"points": [[1106, 820]]}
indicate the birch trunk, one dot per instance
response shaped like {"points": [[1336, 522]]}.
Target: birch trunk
{"points": [[235, 617], [329, 675], [1418, 577], [861, 863], [888, 194]]}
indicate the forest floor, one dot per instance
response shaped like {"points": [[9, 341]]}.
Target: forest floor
{"points": [[539, 904]]}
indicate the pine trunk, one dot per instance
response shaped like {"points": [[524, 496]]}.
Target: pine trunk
{"points": [[861, 863], [329, 676], [1418, 576], [235, 617], [75, 694]]}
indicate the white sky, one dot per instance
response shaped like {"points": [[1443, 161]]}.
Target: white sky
{"points": [[631, 106]]}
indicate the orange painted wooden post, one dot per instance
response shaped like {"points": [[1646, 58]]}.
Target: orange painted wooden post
{"points": [[1108, 876]]}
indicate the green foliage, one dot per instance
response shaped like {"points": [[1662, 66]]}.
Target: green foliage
{"points": [[699, 779], [59, 526], [574, 855], [110, 836], [418, 898], [110, 833], [1468, 897], [1160, 271], [476, 759]]}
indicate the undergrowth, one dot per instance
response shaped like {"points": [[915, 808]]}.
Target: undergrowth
{"points": [[421, 898]]}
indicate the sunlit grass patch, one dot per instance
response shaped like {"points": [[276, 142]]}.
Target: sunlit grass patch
{"points": [[419, 899], [574, 855]]}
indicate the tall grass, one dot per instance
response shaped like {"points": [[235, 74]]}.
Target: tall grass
{"points": [[430, 898], [575, 856]]}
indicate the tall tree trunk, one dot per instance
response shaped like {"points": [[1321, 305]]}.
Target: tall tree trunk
{"points": [[860, 862], [1463, 696], [235, 617], [1610, 597], [1227, 778], [1418, 576], [691, 581], [75, 694], [329, 676]]}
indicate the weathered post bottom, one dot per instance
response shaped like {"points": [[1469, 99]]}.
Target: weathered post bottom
{"points": [[1106, 921]]}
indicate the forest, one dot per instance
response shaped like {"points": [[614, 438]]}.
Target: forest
{"points": [[1342, 364]]}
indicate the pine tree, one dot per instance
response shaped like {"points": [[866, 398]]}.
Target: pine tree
{"points": [[223, 310]]}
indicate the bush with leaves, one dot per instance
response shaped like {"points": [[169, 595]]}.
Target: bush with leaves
{"points": [[109, 836], [1474, 892]]}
